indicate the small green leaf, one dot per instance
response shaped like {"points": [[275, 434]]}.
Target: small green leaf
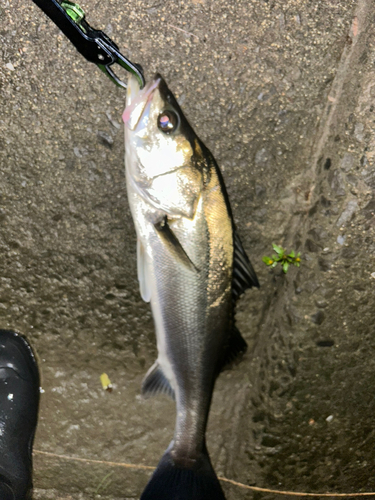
{"points": [[285, 266], [291, 254], [279, 250]]}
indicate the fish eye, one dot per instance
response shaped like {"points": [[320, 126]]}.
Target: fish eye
{"points": [[167, 121]]}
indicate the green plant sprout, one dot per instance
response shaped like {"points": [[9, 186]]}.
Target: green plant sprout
{"points": [[282, 257]]}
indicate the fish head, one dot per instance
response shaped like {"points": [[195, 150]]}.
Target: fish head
{"points": [[161, 148]]}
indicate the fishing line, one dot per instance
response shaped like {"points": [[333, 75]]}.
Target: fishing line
{"points": [[224, 479]]}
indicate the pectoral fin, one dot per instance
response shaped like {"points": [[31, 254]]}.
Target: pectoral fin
{"points": [[172, 244], [143, 272], [155, 382]]}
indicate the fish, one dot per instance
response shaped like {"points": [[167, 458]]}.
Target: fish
{"points": [[192, 268]]}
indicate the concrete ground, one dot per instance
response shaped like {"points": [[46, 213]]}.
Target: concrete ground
{"points": [[282, 92]]}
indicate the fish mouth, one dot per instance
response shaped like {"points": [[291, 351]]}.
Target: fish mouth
{"points": [[137, 100]]}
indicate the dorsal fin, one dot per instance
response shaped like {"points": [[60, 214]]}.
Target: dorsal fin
{"points": [[244, 276]]}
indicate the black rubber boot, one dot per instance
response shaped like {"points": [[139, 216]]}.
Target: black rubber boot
{"points": [[19, 401]]}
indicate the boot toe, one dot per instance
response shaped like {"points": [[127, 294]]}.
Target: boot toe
{"points": [[19, 401]]}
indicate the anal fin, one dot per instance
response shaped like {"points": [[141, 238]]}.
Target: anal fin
{"points": [[155, 382], [235, 348]]}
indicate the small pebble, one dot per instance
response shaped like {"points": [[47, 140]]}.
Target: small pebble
{"points": [[347, 214], [329, 419], [105, 139], [318, 317], [347, 162], [113, 122], [321, 304], [109, 29], [337, 183], [359, 131]]}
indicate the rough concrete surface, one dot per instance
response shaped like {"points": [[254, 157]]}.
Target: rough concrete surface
{"points": [[283, 94]]}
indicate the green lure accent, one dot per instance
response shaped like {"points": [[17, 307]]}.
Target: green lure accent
{"points": [[75, 12]]}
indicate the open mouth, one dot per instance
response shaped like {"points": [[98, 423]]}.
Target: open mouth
{"points": [[137, 100]]}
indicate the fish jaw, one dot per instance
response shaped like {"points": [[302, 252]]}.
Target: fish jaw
{"points": [[136, 101]]}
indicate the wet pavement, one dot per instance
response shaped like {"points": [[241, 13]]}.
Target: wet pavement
{"points": [[283, 95]]}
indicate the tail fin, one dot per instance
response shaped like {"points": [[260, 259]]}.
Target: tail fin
{"points": [[175, 482]]}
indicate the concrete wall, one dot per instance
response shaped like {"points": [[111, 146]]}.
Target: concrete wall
{"points": [[282, 92]]}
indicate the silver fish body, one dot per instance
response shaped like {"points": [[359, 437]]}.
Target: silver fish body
{"points": [[191, 267]]}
